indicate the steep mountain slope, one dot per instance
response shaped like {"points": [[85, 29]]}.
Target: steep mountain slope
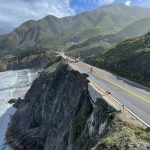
{"points": [[101, 43], [52, 32], [90, 47], [137, 28], [58, 113], [130, 59]]}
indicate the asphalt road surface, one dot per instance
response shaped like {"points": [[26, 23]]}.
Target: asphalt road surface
{"points": [[132, 95]]}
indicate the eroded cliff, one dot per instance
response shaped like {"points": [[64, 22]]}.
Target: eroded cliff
{"points": [[58, 113], [26, 61]]}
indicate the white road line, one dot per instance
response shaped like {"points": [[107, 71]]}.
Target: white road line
{"points": [[120, 103]]}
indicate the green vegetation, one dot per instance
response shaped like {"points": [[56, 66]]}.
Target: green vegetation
{"points": [[60, 33], [124, 136], [105, 42], [27, 59], [89, 50], [135, 29], [130, 59]]}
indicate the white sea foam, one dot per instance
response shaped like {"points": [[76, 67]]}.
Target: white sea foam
{"points": [[13, 84], [29, 75]]}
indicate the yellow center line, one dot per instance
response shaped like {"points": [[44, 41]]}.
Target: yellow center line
{"points": [[132, 93]]}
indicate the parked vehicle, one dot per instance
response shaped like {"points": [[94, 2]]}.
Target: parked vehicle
{"points": [[77, 59]]}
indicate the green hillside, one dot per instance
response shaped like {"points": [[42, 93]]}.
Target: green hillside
{"points": [[61, 33], [130, 59], [102, 43], [88, 48], [135, 29]]}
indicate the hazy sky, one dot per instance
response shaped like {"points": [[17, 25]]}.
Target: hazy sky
{"points": [[15, 12]]}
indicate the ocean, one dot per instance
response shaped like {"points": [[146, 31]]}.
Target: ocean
{"points": [[13, 84]]}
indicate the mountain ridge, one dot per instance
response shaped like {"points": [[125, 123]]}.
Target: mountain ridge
{"points": [[101, 43], [59, 33]]}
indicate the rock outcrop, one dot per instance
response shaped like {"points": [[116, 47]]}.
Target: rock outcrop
{"points": [[58, 114], [27, 61]]}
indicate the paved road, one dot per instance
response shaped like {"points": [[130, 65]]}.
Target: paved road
{"points": [[132, 95]]}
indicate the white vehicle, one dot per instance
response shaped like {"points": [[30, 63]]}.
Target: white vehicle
{"points": [[77, 59]]}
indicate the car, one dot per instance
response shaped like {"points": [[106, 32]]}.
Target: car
{"points": [[76, 60]]}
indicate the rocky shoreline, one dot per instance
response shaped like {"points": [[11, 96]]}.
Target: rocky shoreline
{"points": [[14, 84], [59, 109], [58, 113], [27, 61]]}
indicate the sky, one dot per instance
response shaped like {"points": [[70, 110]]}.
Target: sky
{"points": [[15, 12]]}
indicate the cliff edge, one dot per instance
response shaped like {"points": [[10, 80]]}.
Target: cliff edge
{"points": [[58, 113]]}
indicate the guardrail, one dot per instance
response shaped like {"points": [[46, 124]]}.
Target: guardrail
{"points": [[123, 107]]}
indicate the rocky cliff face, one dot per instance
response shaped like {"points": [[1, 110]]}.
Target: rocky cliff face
{"points": [[58, 114], [27, 61]]}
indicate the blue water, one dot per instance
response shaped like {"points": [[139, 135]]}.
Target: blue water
{"points": [[13, 84]]}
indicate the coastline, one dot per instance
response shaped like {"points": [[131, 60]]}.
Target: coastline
{"points": [[14, 91]]}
